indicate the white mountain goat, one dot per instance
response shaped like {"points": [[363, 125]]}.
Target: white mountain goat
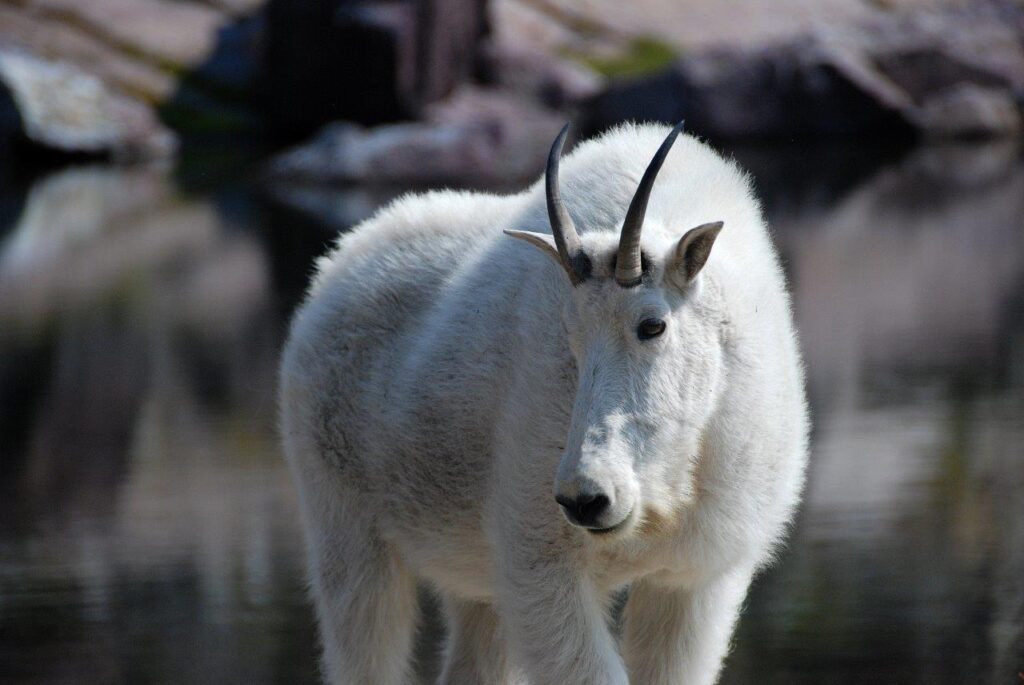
{"points": [[531, 430]]}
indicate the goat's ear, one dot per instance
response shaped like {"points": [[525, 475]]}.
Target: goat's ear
{"points": [[542, 240], [692, 251]]}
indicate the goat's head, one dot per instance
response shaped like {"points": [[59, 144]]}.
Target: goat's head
{"points": [[647, 351]]}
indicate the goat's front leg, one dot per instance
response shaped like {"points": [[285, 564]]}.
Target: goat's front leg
{"points": [[556, 624], [679, 636]]}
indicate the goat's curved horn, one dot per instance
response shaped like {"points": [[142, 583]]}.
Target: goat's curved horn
{"points": [[567, 240], [628, 268]]}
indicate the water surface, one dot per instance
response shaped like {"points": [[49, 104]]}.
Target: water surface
{"points": [[148, 529]]}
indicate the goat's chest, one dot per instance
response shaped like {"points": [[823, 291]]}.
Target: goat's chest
{"points": [[618, 565]]}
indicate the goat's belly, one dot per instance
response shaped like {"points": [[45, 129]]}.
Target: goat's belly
{"points": [[459, 563]]}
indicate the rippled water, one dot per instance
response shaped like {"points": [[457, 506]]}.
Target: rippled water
{"points": [[148, 529]]}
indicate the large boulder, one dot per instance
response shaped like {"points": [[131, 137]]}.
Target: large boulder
{"points": [[538, 75], [60, 106], [116, 76], [367, 61], [943, 74], [98, 76], [478, 138]]}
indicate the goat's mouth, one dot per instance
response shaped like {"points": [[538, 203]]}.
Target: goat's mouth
{"points": [[621, 525]]}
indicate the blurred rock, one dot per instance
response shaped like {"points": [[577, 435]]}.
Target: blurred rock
{"points": [[480, 138], [367, 61], [337, 59], [229, 65], [448, 43], [969, 110], [333, 209], [180, 34], [524, 130], [537, 74], [397, 153], [125, 59], [949, 74], [65, 108], [598, 27]]}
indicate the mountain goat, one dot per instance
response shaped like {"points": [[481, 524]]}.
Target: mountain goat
{"points": [[531, 425]]}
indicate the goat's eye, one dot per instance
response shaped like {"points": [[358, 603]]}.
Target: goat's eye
{"points": [[650, 328]]}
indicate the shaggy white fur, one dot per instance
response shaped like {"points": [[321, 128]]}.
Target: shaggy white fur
{"points": [[442, 382]]}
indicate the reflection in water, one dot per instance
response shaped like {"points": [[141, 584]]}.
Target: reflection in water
{"points": [[907, 563], [148, 528], [148, 525]]}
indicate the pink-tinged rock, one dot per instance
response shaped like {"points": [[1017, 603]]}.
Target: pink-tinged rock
{"points": [[477, 138], [942, 74], [180, 34], [63, 107], [969, 110]]}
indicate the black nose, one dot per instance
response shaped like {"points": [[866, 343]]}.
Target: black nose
{"points": [[585, 509]]}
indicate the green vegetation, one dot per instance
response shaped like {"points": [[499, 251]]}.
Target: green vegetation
{"points": [[643, 55]]}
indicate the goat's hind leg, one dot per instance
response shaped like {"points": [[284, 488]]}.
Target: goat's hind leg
{"points": [[365, 597], [475, 647]]}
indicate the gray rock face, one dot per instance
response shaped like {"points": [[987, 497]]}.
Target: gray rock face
{"points": [[970, 110], [397, 153], [476, 138], [942, 74], [538, 75], [367, 61], [63, 107], [91, 76]]}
